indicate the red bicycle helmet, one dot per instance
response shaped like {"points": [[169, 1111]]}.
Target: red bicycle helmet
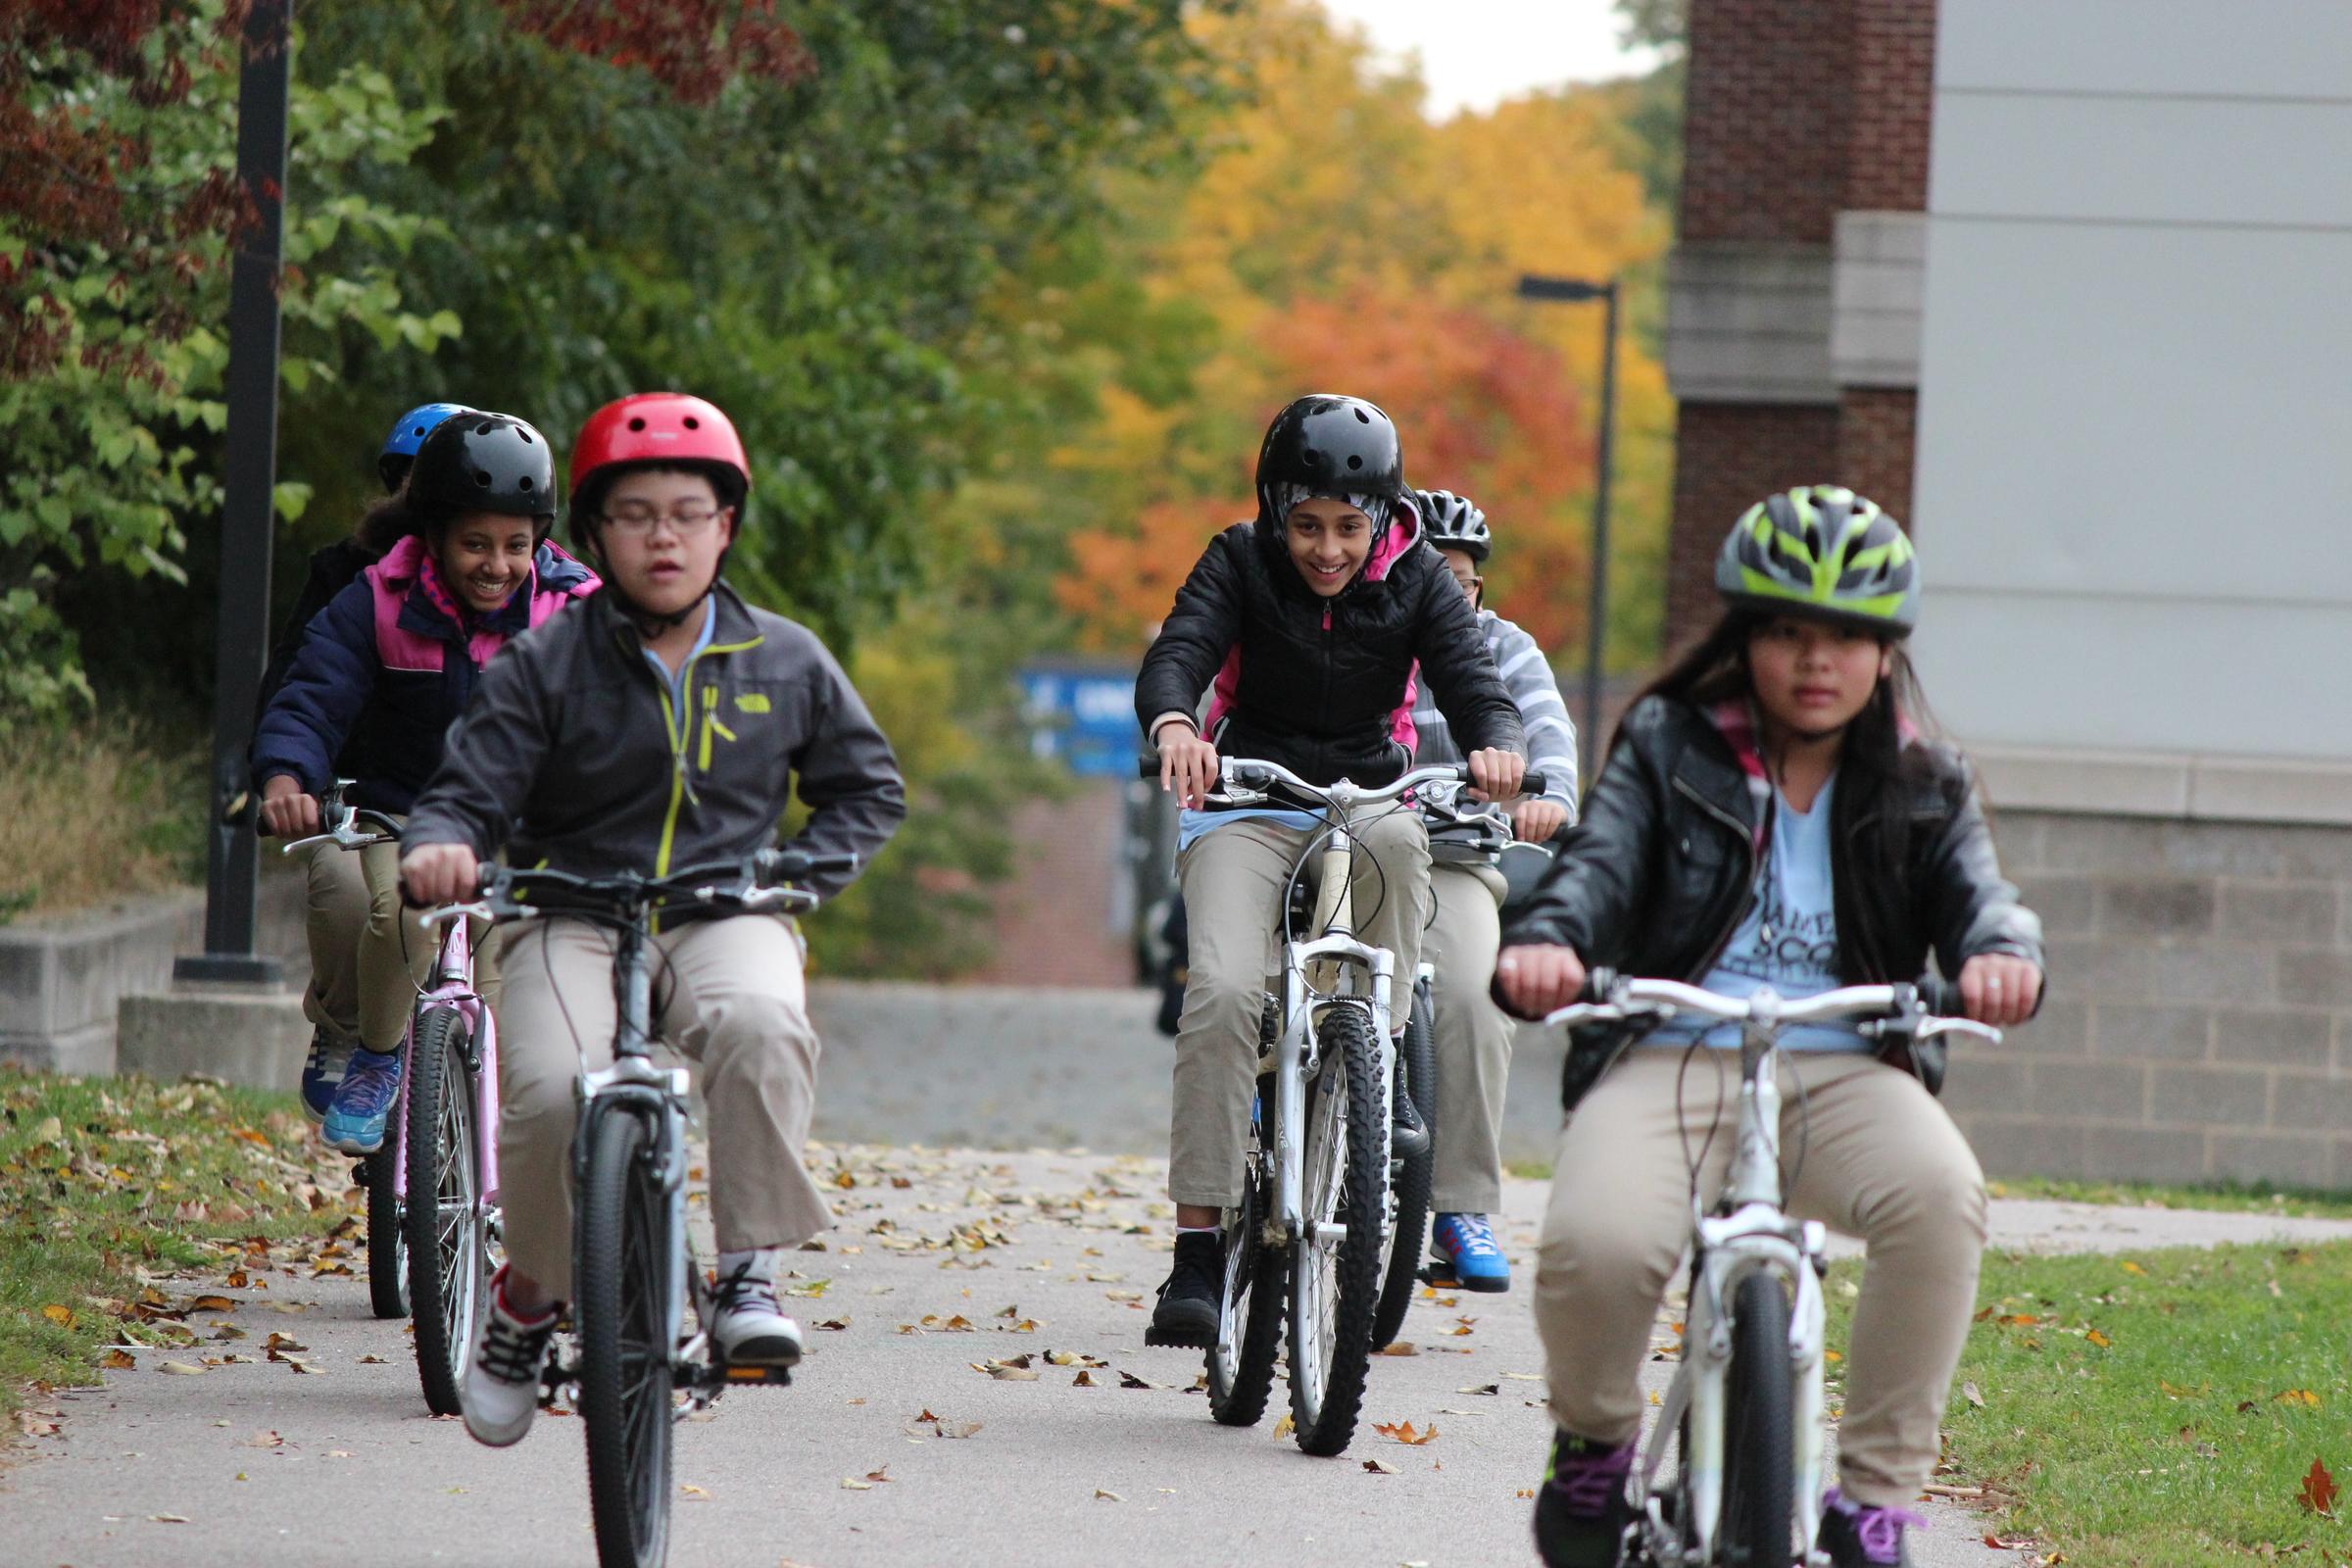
{"points": [[666, 428]]}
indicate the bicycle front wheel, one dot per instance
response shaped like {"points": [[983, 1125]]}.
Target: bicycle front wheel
{"points": [[1759, 1431], [1241, 1364], [621, 1257], [448, 1250], [1334, 1269], [1416, 1077]]}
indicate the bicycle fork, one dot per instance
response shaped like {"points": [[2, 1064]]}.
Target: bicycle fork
{"points": [[1297, 1058]]}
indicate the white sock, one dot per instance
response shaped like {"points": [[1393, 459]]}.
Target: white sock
{"points": [[761, 1260], [1199, 1230]]}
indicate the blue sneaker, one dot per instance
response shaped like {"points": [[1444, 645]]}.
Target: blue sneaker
{"points": [[322, 1070], [363, 1103], [1467, 1249]]}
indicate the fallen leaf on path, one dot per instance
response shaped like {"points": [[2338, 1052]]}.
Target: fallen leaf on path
{"points": [[695, 1494], [118, 1361], [1404, 1433], [1085, 1379], [1380, 1467], [851, 1483], [1284, 1426], [264, 1440], [1108, 1496], [1399, 1348], [1128, 1380], [1973, 1394], [835, 1324], [2318, 1490], [209, 1303], [182, 1369], [35, 1426], [1122, 1295], [62, 1316], [1480, 1388], [168, 1518]]}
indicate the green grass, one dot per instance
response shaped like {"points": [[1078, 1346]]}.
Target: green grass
{"points": [[2182, 1439], [107, 1184], [2258, 1198]]}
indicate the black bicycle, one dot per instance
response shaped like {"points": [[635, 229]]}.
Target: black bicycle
{"points": [[634, 1276]]}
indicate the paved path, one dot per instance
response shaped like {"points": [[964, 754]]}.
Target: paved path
{"points": [[256, 1464]]}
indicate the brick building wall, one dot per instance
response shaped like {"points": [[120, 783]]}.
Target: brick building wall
{"points": [[1795, 110], [1727, 457], [2199, 1026], [1055, 917]]}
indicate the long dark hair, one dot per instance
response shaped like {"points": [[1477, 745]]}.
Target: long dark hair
{"points": [[1872, 755]]}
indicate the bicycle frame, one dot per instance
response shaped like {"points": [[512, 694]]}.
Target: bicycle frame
{"points": [[1749, 1230], [453, 987]]}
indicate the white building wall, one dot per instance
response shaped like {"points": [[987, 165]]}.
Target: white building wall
{"points": [[2134, 462]]}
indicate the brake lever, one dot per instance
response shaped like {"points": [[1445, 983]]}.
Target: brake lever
{"points": [[479, 908]]}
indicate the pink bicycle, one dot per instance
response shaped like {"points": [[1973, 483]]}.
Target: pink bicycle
{"points": [[432, 1188]]}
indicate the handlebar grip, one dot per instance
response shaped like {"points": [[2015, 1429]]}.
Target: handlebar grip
{"points": [[1599, 981], [1146, 767], [785, 863], [1534, 782], [1941, 997]]}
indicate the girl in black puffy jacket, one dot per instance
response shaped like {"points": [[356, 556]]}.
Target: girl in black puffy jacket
{"points": [[1304, 627], [1770, 816]]}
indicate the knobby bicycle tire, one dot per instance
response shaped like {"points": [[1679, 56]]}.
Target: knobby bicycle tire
{"points": [[1324, 1412], [622, 1255], [1759, 1430], [1416, 1076], [387, 1242], [447, 1260], [1256, 1277]]}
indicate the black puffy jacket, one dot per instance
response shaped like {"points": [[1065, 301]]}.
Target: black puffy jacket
{"points": [[1315, 683], [1657, 873]]}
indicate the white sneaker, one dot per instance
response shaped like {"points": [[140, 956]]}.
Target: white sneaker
{"points": [[751, 1328], [500, 1391]]}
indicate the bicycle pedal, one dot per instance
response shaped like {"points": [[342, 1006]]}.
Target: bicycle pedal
{"points": [[776, 1376]]}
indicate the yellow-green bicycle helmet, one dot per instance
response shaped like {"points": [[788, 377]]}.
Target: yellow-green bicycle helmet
{"points": [[1823, 552]]}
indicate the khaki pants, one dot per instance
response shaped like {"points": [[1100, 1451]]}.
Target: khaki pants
{"points": [[335, 915], [727, 992], [1233, 878], [1472, 1036], [1883, 1162], [394, 954]]}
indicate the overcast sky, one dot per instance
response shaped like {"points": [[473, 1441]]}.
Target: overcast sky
{"points": [[1476, 53]]}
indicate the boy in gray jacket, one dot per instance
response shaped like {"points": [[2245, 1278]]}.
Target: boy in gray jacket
{"points": [[1473, 1038], [666, 728]]}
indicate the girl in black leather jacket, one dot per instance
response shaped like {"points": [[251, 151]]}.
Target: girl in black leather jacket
{"points": [[1769, 815]]}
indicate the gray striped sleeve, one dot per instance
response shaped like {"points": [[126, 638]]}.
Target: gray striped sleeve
{"points": [[1550, 732]]}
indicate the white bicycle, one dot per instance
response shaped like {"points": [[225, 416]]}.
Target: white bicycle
{"points": [[1744, 1414]]}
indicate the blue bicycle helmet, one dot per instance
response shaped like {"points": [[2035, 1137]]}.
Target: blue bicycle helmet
{"points": [[408, 434]]}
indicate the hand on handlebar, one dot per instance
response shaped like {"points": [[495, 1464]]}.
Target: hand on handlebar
{"points": [[1534, 819], [439, 873], [1536, 980], [1495, 773], [287, 813], [1999, 990], [1188, 764]]}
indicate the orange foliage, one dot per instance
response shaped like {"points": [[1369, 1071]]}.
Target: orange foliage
{"points": [[1122, 581]]}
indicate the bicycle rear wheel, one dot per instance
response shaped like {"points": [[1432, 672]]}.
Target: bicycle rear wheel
{"points": [[1417, 1077], [448, 1250], [1759, 1430], [387, 1239], [1334, 1274], [1241, 1364], [622, 1255]]}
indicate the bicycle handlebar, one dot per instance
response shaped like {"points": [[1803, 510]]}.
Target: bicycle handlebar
{"points": [[1254, 777], [754, 883], [1922, 1010]]}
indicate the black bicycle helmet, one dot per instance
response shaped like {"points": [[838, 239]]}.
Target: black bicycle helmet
{"points": [[485, 463], [1822, 551], [1329, 446], [1453, 523]]}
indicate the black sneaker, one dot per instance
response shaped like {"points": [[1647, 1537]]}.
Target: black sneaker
{"points": [[1859, 1537], [1187, 1314], [1581, 1512]]}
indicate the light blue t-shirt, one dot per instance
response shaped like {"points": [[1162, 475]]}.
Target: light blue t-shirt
{"points": [[1789, 940], [677, 682]]}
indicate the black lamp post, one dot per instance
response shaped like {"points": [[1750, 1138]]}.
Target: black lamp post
{"points": [[1574, 289], [250, 473]]}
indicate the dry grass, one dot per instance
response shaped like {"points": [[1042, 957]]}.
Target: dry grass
{"points": [[95, 815]]}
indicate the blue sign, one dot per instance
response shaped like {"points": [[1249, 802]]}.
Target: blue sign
{"points": [[1085, 717]]}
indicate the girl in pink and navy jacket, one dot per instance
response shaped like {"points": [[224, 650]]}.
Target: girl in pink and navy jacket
{"points": [[383, 671]]}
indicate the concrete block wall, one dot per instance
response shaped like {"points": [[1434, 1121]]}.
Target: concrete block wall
{"points": [[2199, 1026]]}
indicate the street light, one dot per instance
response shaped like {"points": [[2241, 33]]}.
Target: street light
{"points": [[1577, 290]]}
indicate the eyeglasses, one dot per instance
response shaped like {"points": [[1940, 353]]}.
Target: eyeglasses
{"points": [[639, 521]]}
